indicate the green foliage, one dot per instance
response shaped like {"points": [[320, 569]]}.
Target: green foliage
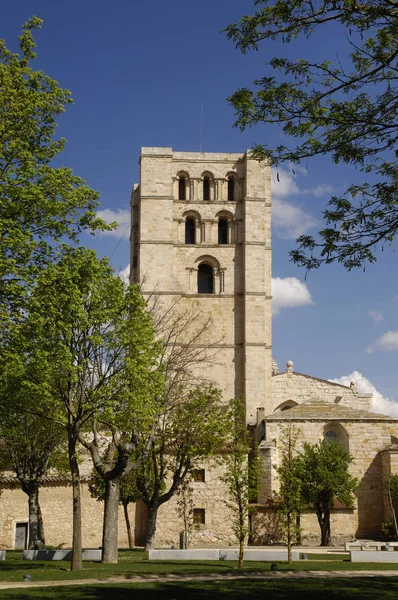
{"points": [[87, 344], [290, 498], [187, 432], [40, 204], [345, 109], [391, 488], [242, 480], [128, 488], [323, 470]]}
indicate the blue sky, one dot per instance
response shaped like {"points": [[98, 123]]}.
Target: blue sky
{"points": [[139, 72]]}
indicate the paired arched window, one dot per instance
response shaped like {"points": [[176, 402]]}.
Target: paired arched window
{"points": [[222, 231], [190, 227], [205, 279], [182, 188]]}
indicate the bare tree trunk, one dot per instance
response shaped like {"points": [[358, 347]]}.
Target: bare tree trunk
{"points": [[241, 550], [324, 522], [110, 529], [40, 523], [77, 563], [33, 502], [128, 525], [289, 538], [151, 531]]}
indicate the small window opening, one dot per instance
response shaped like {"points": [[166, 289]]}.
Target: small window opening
{"points": [[205, 279], [198, 475], [287, 407], [206, 188], [199, 516], [182, 188], [231, 188], [190, 231], [222, 231]]}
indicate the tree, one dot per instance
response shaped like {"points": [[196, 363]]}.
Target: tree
{"points": [[188, 431], [128, 493], [323, 470], [85, 346], [346, 109], [40, 205], [391, 487], [241, 476], [29, 444], [289, 500]]}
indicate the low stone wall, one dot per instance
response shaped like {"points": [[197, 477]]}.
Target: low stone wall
{"points": [[373, 556], [250, 554], [91, 554]]}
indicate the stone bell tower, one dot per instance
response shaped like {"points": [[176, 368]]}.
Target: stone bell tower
{"points": [[201, 233]]}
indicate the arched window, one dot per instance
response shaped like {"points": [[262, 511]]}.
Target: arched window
{"points": [[331, 436], [223, 231], [205, 279], [206, 188], [182, 188], [190, 230], [231, 188], [287, 407]]}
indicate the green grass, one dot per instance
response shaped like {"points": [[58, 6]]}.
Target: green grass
{"points": [[303, 589], [135, 562]]}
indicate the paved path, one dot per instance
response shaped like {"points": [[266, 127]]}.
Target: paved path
{"points": [[6, 585]]}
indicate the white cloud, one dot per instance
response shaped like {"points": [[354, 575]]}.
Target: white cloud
{"points": [[324, 189], [283, 184], [125, 274], [290, 221], [380, 404], [386, 343], [121, 216], [289, 292], [376, 316]]}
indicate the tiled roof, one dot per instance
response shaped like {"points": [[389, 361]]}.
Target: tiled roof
{"points": [[312, 377], [320, 410]]}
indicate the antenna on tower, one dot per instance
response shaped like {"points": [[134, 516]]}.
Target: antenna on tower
{"points": [[201, 128]]}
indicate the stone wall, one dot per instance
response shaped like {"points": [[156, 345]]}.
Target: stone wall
{"points": [[56, 505], [268, 529], [210, 496], [301, 388]]}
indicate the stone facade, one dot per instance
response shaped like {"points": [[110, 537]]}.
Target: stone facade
{"points": [[201, 238], [195, 211]]}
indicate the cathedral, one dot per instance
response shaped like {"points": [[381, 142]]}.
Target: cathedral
{"points": [[201, 234], [201, 237]]}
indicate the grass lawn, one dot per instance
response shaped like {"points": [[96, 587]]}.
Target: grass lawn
{"points": [[303, 589], [135, 562]]}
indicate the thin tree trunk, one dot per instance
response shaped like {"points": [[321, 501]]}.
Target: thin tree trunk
{"points": [[40, 523], [128, 525], [289, 539], [33, 501], [324, 522], [151, 531], [241, 550], [110, 529], [77, 564]]}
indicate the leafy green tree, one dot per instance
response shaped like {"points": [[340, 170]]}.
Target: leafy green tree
{"points": [[345, 107], [323, 470], [40, 204], [391, 488], [188, 431], [84, 347], [289, 499], [241, 475], [30, 445]]}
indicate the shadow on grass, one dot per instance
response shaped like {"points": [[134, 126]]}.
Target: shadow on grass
{"points": [[304, 589]]}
